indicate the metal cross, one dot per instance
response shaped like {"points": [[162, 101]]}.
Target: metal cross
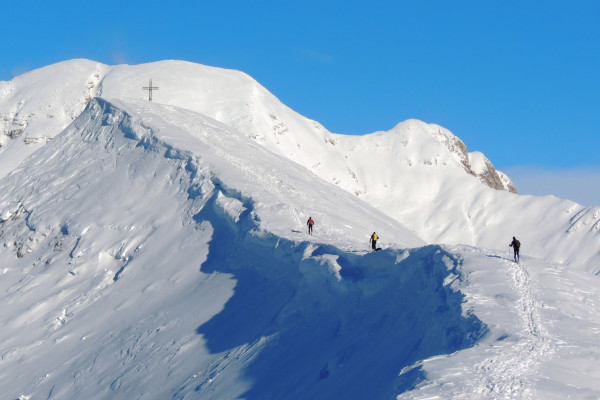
{"points": [[150, 88]]}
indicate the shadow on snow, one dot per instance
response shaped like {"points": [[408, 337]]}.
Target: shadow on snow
{"points": [[313, 332]]}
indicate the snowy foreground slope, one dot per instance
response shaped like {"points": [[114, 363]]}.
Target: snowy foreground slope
{"points": [[543, 340], [150, 251]]}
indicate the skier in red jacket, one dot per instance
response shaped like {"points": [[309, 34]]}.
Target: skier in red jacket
{"points": [[310, 224]]}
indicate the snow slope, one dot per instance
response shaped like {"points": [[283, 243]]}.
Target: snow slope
{"points": [[152, 251], [36, 106], [543, 321]]}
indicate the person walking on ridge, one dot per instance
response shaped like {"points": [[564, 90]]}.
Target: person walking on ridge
{"points": [[374, 238], [515, 244], [310, 224]]}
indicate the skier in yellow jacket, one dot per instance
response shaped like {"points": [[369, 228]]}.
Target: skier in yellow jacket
{"points": [[374, 238]]}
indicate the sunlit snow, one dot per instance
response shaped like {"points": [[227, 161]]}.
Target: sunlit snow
{"points": [[159, 250]]}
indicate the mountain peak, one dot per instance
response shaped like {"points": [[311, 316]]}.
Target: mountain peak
{"points": [[51, 97], [451, 150]]}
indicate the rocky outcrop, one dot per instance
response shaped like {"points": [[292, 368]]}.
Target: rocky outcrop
{"points": [[482, 168], [474, 163]]}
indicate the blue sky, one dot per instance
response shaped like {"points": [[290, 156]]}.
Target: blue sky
{"points": [[516, 80]]}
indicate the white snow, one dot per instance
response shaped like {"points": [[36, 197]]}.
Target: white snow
{"points": [[478, 161], [159, 250]]}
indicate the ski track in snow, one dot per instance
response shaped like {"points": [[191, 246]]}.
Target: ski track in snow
{"points": [[508, 365], [504, 374]]}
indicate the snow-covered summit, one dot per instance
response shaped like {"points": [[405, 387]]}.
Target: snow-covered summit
{"points": [[60, 92]]}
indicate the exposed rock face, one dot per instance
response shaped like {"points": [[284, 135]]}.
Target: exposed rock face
{"points": [[482, 168], [474, 163], [455, 145], [11, 127], [493, 179]]}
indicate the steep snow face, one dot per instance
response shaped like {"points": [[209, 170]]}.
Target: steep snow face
{"points": [[284, 193], [281, 189], [36, 106], [144, 260]]}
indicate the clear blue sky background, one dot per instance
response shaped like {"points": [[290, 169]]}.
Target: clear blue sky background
{"points": [[516, 80]]}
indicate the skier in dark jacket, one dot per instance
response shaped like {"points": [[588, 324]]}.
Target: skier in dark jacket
{"points": [[515, 244], [310, 224]]}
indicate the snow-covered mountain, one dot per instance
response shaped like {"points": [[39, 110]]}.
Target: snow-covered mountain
{"points": [[230, 97], [159, 250], [419, 174]]}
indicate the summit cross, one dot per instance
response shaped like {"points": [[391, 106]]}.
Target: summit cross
{"points": [[150, 88]]}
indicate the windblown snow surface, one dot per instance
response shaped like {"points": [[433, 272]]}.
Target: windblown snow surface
{"points": [[159, 251]]}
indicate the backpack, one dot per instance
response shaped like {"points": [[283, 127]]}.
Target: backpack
{"points": [[517, 244]]}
